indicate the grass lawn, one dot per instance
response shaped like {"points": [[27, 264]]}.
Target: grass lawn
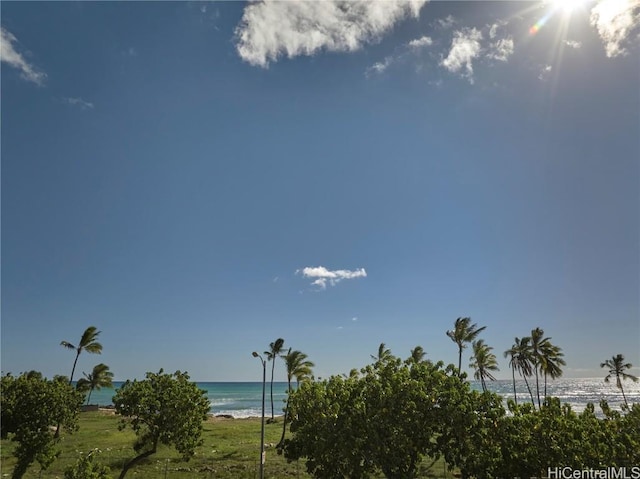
{"points": [[231, 449]]}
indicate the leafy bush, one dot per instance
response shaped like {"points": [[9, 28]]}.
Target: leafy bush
{"points": [[162, 409], [390, 415], [31, 405], [85, 468], [386, 418]]}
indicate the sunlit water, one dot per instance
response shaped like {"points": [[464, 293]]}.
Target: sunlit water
{"points": [[576, 392], [244, 399]]}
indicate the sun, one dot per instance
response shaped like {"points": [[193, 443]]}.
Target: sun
{"points": [[559, 8], [567, 6]]}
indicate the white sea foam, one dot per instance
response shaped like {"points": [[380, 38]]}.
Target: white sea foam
{"points": [[239, 413], [222, 402]]}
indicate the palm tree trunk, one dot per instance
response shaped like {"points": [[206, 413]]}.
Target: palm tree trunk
{"points": [[515, 395], [286, 413], [284, 425], [459, 360], [545, 385], [89, 396], [73, 369], [537, 386], [533, 403], [273, 366], [624, 397], [622, 390]]}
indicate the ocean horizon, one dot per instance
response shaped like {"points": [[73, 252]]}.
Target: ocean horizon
{"points": [[244, 399]]}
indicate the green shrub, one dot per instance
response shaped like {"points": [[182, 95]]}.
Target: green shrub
{"points": [[31, 406], [86, 468]]}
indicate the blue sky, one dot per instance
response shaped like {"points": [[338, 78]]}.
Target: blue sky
{"points": [[199, 179]]}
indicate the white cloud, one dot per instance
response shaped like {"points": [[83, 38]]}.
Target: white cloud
{"points": [[413, 46], [446, 22], [8, 54], [545, 73], [464, 48], [271, 29], [501, 50], [468, 45], [323, 276], [79, 102], [615, 20], [420, 42], [379, 67], [573, 44], [493, 29], [355, 318]]}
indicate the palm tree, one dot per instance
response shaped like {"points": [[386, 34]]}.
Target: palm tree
{"points": [[417, 355], [464, 332], [88, 342], [513, 364], [538, 344], [100, 377], [551, 362], [520, 361], [298, 366], [483, 361], [383, 353], [617, 367], [525, 366], [275, 350]]}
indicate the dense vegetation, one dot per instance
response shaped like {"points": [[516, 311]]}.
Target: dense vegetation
{"points": [[391, 415], [30, 405], [162, 409], [394, 418]]}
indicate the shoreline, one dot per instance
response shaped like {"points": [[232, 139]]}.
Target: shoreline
{"points": [[245, 401], [110, 410]]}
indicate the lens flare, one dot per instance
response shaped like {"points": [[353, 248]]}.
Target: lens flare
{"points": [[539, 24]]}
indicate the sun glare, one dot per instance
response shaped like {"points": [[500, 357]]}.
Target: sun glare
{"points": [[567, 6], [561, 8]]}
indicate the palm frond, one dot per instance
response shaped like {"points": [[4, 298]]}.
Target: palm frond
{"points": [[93, 348], [83, 385], [417, 354], [89, 336]]}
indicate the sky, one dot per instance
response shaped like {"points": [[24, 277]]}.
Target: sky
{"points": [[198, 179]]}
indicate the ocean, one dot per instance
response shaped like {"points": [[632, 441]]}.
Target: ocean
{"points": [[244, 399]]}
